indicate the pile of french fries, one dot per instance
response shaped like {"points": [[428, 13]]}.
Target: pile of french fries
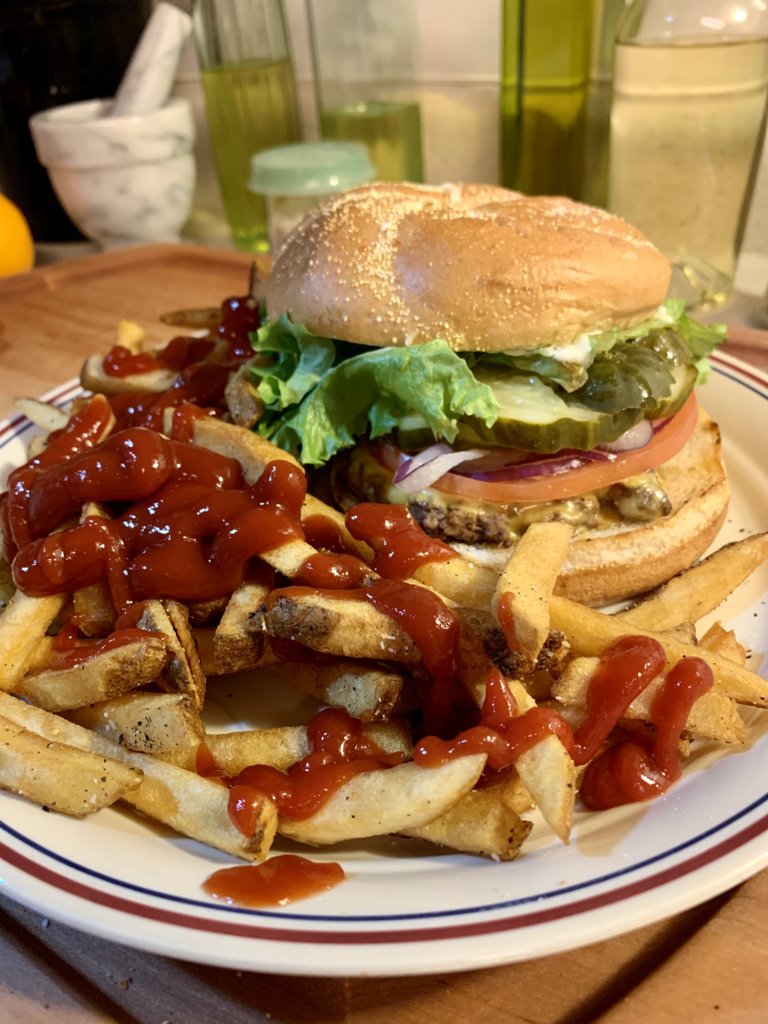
{"points": [[127, 724]]}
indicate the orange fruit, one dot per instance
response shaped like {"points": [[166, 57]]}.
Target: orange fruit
{"points": [[17, 250]]}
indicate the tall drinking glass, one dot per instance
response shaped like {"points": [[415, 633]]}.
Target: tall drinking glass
{"points": [[363, 53], [687, 122]]}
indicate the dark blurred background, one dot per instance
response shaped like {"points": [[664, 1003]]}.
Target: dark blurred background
{"points": [[54, 52]]}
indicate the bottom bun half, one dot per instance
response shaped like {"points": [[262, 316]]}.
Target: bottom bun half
{"points": [[611, 565]]}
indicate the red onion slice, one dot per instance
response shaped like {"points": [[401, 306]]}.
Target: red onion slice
{"points": [[422, 470], [636, 437]]}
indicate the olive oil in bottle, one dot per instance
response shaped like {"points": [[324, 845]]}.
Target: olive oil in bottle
{"points": [[250, 100], [391, 131], [250, 107], [545, 78]]}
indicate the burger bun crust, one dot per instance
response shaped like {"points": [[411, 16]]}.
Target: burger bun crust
{"points": [[480, 266]]}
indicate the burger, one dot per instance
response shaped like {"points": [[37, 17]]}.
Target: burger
{"points": [[491, 360]]}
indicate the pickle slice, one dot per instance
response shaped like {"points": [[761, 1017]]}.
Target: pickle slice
{"points": [[536, 418]]}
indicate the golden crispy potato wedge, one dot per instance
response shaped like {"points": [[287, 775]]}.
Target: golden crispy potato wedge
{"points": [[697, 591], [590, 632], [391, 800], [7, 586], [237, 641], [724, 642], [713, 716], [252, 451], [186, 802], [482, 822], [198, 808], [165, 725], [45, 415], [459, 581], [314, 508], [367, 691], [520, 601], [59, 777], [242, 399], [283, 746], [182, 672], [23, 626], [131, 336], [93, 610], [101, 677], [345, 626], [94, 378], [547, 772]]}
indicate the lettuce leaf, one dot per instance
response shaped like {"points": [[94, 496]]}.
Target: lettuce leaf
{"points": [[701, 339], [319, 398]]}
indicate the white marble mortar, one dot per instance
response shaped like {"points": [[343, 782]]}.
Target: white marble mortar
{"points": [[122, 180]]}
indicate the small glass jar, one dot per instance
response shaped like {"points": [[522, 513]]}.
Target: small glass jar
{"points": [[295, 179]]}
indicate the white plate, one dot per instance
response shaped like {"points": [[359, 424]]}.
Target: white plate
{"points": [[406, 909]]}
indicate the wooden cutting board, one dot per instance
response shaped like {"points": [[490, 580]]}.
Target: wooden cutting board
{"points": [[52, 318], [709, 964]]}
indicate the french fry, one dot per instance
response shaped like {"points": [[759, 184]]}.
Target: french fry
{"points": [[131, 336], [94, 378], [590, 632], [183, 673], [367, 691], [723, 641], [547, 771], [245, 406], [43, 414], [391, 800], [520, 601], [165, 725], [482, 822], [23, 626], [94, 611], [252, 451], [99, 678], [344, 626], [59, 777], [237, 644], [7, 586], [199, 808], [713, 716], [282, 746], [461, 582], [697, 591], [203, 637], [314, 508], [186, 802]]}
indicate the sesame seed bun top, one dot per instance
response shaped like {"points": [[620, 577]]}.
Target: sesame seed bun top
{"points": [[483, 267]]}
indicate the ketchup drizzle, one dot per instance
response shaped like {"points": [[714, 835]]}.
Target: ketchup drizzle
{"points": [[400, 545]]}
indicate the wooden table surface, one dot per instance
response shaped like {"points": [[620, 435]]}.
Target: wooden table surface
{"points": [[705, 965]]}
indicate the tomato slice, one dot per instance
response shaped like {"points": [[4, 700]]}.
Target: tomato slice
{"points": [[666, 442]]}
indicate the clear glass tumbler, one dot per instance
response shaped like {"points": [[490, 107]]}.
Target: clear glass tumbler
{"points": [[251, 102], [363, 53], [687, 122]]}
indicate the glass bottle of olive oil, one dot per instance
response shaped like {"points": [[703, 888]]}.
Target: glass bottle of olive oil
{"points": [[364, 70], [250, 98], [547, 47]]}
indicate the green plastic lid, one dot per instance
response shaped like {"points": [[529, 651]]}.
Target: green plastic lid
{"points": [[310, 169]]}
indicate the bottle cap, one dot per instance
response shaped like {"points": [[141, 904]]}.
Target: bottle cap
{"points": [[310, 169]]}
